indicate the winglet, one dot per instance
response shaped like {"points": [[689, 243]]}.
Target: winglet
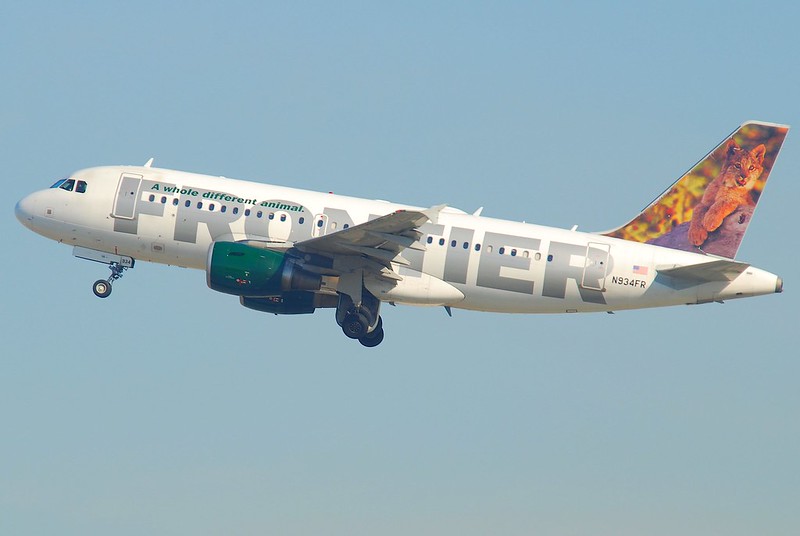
{"points": [[148, 163], [433, 212]]}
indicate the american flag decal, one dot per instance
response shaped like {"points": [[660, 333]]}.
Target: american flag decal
{"points": [[641, 270]]}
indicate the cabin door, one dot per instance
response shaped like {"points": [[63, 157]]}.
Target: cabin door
{"points": [[127, 196], [595, 266]]}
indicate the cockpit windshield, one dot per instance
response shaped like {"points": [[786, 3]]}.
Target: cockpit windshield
{"points": [[70, 185]]}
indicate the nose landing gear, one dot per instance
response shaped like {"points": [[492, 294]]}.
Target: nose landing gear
{"points": [[102, 287], [116, 263]]}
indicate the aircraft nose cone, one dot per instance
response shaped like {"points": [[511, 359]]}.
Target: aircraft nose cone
{"points": [[24, 210], [20, 210]]}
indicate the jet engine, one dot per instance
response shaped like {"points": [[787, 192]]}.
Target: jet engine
{"points": [[244, 270]]}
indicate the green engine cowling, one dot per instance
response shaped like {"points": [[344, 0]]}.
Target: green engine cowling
{"points": [[242, 270]]}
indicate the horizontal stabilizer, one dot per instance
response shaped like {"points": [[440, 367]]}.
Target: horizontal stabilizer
{"points": [[721, 270]]}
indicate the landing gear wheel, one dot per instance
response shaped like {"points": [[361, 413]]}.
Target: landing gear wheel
{"points": [[101, 288], [373, 338], [355, 325]]}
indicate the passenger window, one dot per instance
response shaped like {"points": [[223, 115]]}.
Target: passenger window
{"points": [[272, 215], [223, 208], [333, 223], [538, 256], [501, 251], [259, 214], [188, 203], [175, 201], [283, 217], [211, 207], [68, 185], [489, 249], [525, 254], [152, 198], [236, 210], [549, 258], [163, 200], [199, 204], [345, 226], [247, 212], [477, 247], [81, 188], [452, 243], [466, 245], [513, 252], [301, 220], [441, 241], [430, 240]]}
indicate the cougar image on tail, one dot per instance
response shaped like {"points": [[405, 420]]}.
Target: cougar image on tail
{"points": [[708, 208], [730, 190]]}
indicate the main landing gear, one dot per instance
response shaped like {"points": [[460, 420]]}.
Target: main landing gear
{"points": [[355, 326], [361, 322], [102, 287]]}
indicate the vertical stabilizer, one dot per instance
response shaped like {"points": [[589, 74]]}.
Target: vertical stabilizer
{"points": [[709, 208]]}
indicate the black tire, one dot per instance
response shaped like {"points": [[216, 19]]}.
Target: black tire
{"points": [[355, 325], [101, 288], [373, 338]]}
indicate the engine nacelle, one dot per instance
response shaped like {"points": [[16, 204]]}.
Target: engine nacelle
{"points": [[294, 302], [244, 270], [288, 303]]}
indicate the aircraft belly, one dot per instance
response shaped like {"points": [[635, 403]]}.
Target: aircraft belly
{"points": [[503, 301], [422, 289], [143, 247]]}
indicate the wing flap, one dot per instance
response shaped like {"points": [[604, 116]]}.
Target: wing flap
{"points": [[382, 238], [374, 246], [400, 240], [379, 254]]}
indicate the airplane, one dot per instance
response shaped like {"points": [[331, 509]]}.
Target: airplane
{"points": [[289, 251]]}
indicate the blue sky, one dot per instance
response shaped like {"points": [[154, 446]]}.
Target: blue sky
{"points": [[170, 409]]}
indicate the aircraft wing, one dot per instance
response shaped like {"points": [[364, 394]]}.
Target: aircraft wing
{"points": [[381, 240], [720, 270]]}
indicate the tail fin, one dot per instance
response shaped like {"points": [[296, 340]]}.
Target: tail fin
{"points": [[709, 207]]}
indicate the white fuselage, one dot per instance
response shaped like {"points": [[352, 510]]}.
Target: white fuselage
{"points": [[173, 217]]}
